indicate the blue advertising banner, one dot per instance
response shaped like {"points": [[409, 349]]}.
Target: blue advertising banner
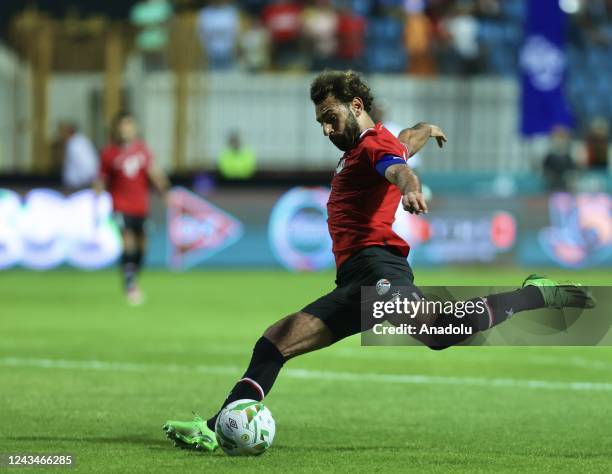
{"points": [[42, 229], [543, 69], [45, 229]]}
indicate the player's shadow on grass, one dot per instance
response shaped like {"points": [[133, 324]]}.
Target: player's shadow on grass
{"points": [[142, 440]]}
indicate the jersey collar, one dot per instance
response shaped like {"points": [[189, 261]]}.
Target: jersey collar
{"points": [[370, 130]]}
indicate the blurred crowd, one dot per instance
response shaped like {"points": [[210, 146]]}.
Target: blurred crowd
{"points": [[421, 37], [416, 37]]}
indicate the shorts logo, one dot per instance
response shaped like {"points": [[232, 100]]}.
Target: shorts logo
{"points": [[383, 286]]}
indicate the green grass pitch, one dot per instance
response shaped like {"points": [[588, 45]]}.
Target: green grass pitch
{"points": [[82, 373]]}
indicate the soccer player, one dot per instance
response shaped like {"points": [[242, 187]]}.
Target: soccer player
{"points": [[371, 178], [126, 169]]}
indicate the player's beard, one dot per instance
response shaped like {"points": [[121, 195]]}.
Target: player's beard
{"points": [[347, 139]]}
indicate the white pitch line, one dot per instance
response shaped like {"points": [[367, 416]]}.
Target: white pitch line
{"points": [[381, 353], [410, 379]]}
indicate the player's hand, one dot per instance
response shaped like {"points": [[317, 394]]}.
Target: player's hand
{"points": [[438, 134], [414, 202]]}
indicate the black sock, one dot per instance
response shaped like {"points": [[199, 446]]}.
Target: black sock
{"points": [[499, 307], [128, 267], [138, 260], [503, 305], [259, 377]]}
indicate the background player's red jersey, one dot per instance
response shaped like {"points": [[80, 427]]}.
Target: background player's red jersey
{"points": [[124, 170], [362, 204]]}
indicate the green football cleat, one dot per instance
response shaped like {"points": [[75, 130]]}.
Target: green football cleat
{"points": [[558, 295], [194, 434]]}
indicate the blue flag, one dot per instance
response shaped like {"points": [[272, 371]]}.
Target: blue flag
{"points": [[543, 66]]}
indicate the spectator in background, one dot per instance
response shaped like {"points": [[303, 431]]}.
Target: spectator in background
{"points": [[236, 161], [417, 38], [80, 165], [558, 163], [218, 27], [462, 29], [282, 18], [596, 144], [489, 9], [255, 45], [253, 7], [595, 20], [351, 38], [320, 25]]}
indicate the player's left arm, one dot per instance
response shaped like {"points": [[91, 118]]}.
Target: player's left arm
{"points": [[416, 137], [156, 175], [409, 184], [159, 179]]}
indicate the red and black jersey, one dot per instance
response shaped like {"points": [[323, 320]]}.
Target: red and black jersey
{"points": [[362, 204], [125, 172]]}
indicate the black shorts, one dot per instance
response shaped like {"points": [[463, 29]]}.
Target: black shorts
{"points": [[130, 222], [340, 310]]}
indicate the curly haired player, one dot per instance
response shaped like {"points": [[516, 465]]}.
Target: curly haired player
{"points": [[371, 178]]}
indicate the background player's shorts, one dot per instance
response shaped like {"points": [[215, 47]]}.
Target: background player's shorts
{"points": [[340, 310], [129, 222]]}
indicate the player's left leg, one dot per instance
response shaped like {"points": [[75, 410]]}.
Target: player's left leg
{"points": [[536, 293], [134, 247]]}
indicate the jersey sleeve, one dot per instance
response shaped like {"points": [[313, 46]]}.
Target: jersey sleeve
{"points": [[385, 151]]}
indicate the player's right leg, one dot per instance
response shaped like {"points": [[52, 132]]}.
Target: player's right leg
{"points": [[294, 335], [330, 318]]}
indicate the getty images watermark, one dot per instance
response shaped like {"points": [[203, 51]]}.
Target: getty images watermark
{"points": [[411, 308], [443, 316]]}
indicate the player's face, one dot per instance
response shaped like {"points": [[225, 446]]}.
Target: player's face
{"points": [[338, 122], [127, 130]]}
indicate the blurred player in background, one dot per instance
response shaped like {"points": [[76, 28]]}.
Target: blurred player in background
{"points": [[126, 169], [371, 179]]}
